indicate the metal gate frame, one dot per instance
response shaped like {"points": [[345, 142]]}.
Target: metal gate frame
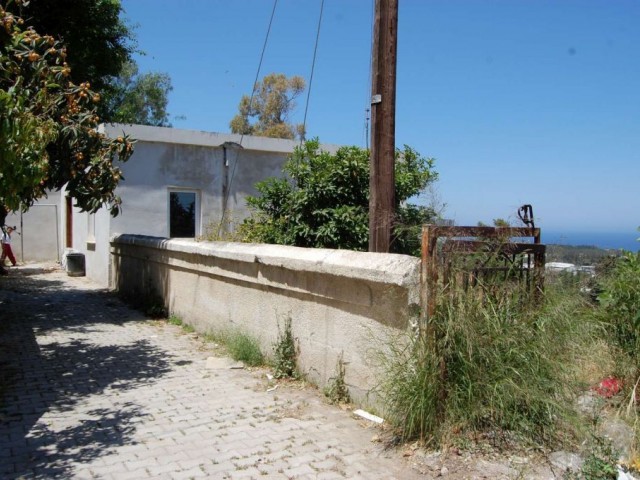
{"points": [[462, 244]]}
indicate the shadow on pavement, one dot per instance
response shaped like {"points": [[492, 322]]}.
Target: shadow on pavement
{"points": [[49, 363]]}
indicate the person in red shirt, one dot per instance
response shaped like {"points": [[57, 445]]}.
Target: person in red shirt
{"points": [[6, 246]]}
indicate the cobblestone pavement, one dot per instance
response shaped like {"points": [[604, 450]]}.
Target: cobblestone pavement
{"points": [[98, 391]]}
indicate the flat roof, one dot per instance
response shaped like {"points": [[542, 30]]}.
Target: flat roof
{"points": [[147, 133]]}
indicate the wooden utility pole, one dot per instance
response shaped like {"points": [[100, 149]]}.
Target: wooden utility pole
{"points": [[383, 125]]}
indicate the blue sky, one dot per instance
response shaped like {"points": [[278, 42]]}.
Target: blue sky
{"points": [[518, 101]]}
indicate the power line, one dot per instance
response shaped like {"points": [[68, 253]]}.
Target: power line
{"points": [[253, 92], [313, 64]]}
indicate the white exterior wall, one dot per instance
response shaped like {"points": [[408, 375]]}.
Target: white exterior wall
{"points": [[340, 302], [167, 159], [39, 231]]}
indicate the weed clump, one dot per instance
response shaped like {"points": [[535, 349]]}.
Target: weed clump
{"points": [[285, 353], [600, 462], [337, 391]]}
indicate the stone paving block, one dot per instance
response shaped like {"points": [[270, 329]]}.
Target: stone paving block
{"points": [[132, 475], [191, 463], [355, 469], [269, 471], [300, 471], [194, 472], [326, 464], [223, 456], [216, 470], [245, 462], [83, 474], [302, 460], [236, 444], [279, 465], [103, 470], [207, 453], [173, 458], [251, 472], [134, 465], [329, 476], [156, 471]]}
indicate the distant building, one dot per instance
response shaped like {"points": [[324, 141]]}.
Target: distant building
{"points": [[570, 267], [560, 267], [589, 269]]}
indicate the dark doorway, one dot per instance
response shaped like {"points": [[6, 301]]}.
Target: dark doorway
{"points": [[182, 214]]}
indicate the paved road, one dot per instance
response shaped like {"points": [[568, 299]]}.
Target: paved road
{"points": [[98, 391]]}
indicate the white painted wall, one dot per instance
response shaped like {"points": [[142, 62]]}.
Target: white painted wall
{"points": [[165, 160], [39, 231]]}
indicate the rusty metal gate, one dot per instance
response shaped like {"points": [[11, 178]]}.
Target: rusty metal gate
{"points": [[479, 254]]}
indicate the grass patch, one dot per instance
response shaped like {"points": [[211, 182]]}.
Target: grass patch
{"points": [[175, 320], [244, 348], [619, 301], [238, 345], [493, 363]]}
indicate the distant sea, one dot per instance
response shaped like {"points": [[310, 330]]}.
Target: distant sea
{"points": [[608, 240]]}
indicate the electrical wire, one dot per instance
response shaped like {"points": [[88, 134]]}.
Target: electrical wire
{"points": [[313, 65], [253, 92]]}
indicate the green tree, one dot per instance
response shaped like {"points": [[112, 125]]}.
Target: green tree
{"points": [[99, 47], [98, 41], [48, 127], [139, 98], [273, 101], [324, 201]]}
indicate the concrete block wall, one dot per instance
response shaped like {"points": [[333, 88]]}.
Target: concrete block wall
{"points": [[339, 301]]}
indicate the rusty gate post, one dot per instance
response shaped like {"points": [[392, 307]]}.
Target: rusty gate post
{"points": [[428, 273], [538, 265]]}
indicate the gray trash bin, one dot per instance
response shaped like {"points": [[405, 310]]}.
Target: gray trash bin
{"points": [[75, 264]]}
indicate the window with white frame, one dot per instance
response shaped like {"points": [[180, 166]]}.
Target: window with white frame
{"points": [[183, 213]]}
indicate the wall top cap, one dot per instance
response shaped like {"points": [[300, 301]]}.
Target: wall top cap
{"points": [[389, 268]]}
